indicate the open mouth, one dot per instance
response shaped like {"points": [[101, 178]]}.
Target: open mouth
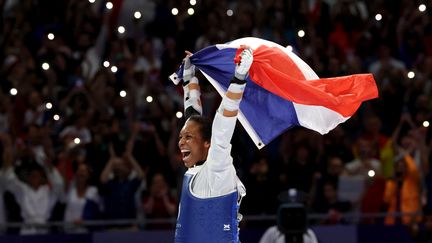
{"points": [[185, 153]]}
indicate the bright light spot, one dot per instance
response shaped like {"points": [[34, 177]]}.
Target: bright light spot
{"points": [[56, 117], [174, 11], [426, 123], [422, 7], [179, 114], [106, 64], [411, 74], [77, 140], [289, 48], [192, 2], [13, 91], [230, 12], [378, 17], [45, 66], [191, 11], [149, 99], [48, 105], [51, 36], [371, 173], [137, 14], [109, 5], [114, 69], [292, 192], [91, 1], [123, 93], [121, 29], [301, 33]]}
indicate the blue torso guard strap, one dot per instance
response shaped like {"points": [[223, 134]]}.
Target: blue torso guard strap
{"points": [[207, 220]]}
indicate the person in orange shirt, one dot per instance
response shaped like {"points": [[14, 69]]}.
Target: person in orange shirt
{"points": [[402, 192]]}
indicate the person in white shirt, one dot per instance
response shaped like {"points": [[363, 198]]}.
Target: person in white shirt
{"points": [[273, 235], [78, 130], [82, 201], [212, 192], [35, 197], [364, 163]]}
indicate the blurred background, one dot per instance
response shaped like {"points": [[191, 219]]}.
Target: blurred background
{"points": [[89, 120]]}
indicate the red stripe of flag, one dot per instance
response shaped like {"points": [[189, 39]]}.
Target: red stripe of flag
{"points": [[276, 72]]}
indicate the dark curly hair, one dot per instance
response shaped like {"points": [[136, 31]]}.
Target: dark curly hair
{"points": [[205, 126]]}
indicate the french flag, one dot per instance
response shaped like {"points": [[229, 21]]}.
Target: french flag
{"points": [[282, 90]]}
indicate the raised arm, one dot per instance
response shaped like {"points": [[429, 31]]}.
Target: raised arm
{"points": [[105, 175], [135, 166], [226, 116], [191, 88], [218, 176], [405, 118], [9, 178]]}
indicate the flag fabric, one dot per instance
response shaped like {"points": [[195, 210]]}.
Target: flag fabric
{"points": [[282, 90]]}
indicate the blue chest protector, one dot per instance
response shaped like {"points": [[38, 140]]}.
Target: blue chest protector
{"points": [[207, 220]]}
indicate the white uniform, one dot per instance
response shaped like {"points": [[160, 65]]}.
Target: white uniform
{"points": [[217, 176]]}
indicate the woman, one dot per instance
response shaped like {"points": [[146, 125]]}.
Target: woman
{"points": [[82, 201], [159, 204]]}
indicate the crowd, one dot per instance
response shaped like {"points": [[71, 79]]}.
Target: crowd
{"points": [[89, 120]]}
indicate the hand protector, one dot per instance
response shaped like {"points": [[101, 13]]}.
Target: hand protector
{"points": [[242, 68], [188, 69]]}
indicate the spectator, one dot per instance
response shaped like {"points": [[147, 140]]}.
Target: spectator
{"points": [[298, 172], [259, 200], [159, 203], [332, 206], [402, 192], [35, 112], [364, 162], [411, 140], [337, 143], [380, 143], [120, 179], [386, 63], [37, 195], [334, 168], [79, 131], [82, 201]]}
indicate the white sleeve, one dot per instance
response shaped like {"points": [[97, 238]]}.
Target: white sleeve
{"points": [[57, 184], [219, 156], [217, 176], [13, 184]]}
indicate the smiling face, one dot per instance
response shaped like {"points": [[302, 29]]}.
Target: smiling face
{"points": [[193, 146]]}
